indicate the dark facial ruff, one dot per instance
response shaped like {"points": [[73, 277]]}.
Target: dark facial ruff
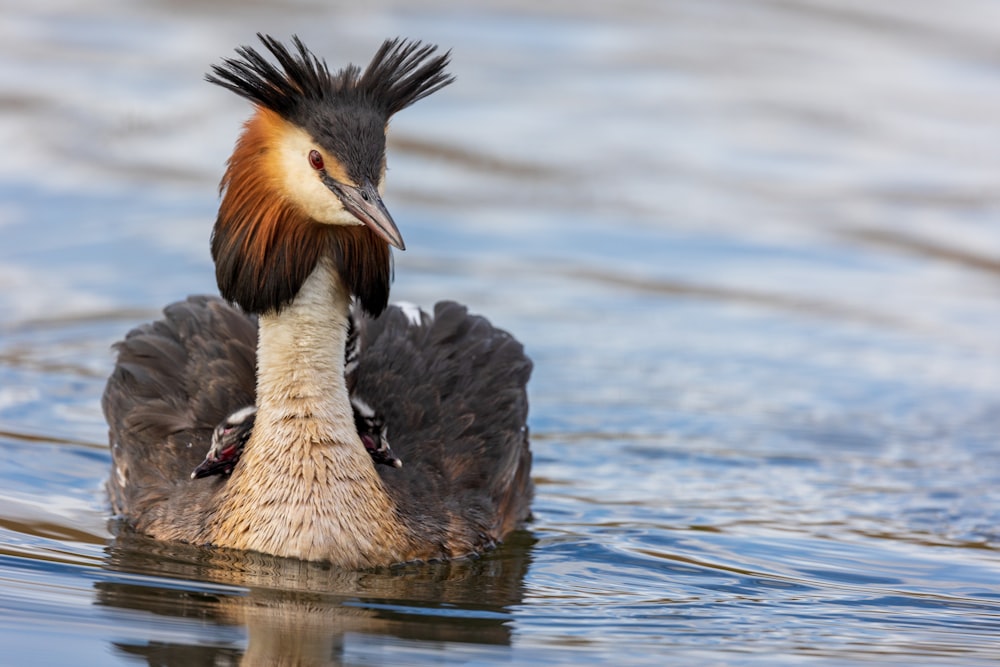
{"points": [[264, 246]]}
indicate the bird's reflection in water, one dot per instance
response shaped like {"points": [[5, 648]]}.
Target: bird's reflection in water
{"points": [[302, 613]]}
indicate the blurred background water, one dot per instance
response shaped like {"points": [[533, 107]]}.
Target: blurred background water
{"points": [[752, 247]]}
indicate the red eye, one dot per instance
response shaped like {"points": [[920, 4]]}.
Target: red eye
{"points": [[315, 160]]}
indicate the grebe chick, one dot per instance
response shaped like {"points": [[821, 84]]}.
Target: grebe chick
{"points": [[232, 433]]}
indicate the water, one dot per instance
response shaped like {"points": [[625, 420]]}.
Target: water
{"points": [[751, 246]]}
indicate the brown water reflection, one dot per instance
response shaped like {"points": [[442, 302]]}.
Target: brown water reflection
{"points": [[929, 248], [298, 613]]}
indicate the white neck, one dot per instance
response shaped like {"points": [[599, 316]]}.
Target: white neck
{"points": [[305, 486], [300, 364]]}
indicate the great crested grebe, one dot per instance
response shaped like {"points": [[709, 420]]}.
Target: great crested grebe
{"points": [[301, 230]]}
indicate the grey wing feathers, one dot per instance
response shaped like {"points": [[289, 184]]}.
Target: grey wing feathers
{"points": [[174, 380], [453, 392]]}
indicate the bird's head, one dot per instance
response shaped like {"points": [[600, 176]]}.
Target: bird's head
{"points": [[305, 179]]}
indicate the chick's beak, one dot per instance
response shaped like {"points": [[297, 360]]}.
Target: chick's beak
{"points": [[365, 203]]}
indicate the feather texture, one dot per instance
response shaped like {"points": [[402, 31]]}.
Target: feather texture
{"points": [[400, 73], [451, 389]]}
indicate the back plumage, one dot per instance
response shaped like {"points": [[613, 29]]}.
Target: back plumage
{"points": [[450, 387], [174, 381], [452, 391]]}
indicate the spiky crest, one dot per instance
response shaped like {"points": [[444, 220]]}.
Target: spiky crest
{"points": [[400, 73], [264, 247]]}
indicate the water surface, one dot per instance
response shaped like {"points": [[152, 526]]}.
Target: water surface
{"points": [[751, 246]]}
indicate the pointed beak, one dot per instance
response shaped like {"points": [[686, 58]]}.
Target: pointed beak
{"points": [[365, 204]]}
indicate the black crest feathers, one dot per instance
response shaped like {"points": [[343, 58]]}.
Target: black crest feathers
{"points": [[400, 73], [263, 245]]}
